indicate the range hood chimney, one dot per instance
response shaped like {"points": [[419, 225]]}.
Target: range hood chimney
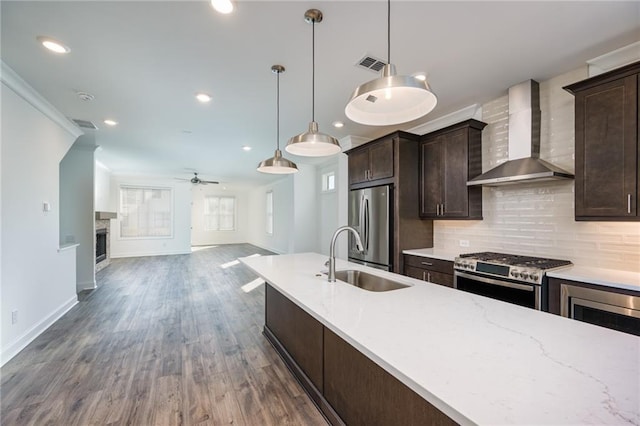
{"points": [[524, 143]]}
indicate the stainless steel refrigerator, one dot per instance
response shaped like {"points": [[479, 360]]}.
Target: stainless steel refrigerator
{"points": [[371, 215]]}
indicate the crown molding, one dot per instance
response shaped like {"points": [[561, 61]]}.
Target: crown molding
{"points": [[615, 59], [14, 82], [472, 111]]}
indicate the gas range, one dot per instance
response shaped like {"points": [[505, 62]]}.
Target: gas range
{"points": [[526, 269]]}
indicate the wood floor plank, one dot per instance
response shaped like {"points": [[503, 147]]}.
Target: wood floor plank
{"points": [[163, 340]]}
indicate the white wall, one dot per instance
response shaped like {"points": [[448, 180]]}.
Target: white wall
{"points": [[102, 189], [77, 223], [178, 243], [283, 205], [36, 279], [538, 218], [305, 210], [201, 237], [327, 205]]}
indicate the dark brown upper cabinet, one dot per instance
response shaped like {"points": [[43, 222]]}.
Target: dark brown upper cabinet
{"points": [[371, 162], [606, 145], [449, 157]]}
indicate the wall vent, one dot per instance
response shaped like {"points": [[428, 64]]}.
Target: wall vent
{"points": [[371, 63], [85, 124]]}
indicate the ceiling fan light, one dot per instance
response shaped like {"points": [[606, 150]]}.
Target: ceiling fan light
{"points": [[277, 165], [313, 143], [390, 99]]}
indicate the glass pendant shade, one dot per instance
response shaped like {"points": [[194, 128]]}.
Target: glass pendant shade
{"points": [[312, 143], [277, 165], [390, 99]]}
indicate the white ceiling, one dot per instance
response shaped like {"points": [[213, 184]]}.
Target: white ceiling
{"points": [[144, 61]]}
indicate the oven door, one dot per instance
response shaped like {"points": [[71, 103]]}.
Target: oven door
{"points": [[527, 295], [617, 311]]}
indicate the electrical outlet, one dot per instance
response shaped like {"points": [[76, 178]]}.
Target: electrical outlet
{"points": [[464, 243], [14, 317]]}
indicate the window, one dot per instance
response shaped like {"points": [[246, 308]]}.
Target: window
{"points": [[145, 212], [269, 210], [219, 213], [328, 182]]}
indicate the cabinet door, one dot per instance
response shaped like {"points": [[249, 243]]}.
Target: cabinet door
{"points": [[430, 177], [381, 158], [362, 393], [358, 166], [606, 150], [413, 272], [455, 158], [299, 333]]}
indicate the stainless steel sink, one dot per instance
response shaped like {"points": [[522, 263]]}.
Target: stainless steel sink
{"points": [[368, 281]]}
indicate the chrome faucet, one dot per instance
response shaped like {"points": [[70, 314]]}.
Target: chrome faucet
{"points": [[332, 249]]}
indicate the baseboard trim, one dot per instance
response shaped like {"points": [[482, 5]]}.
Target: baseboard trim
{"points": [[169, 253], [85, 285], [14, 348]]}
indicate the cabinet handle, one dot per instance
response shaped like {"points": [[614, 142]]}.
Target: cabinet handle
{"points": [[429, 276], [629, 203], [442, 210], [427, 263], [437, 209], [423, 276]]}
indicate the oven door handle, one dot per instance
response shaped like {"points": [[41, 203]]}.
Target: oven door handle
{"points": [[492, 281]]}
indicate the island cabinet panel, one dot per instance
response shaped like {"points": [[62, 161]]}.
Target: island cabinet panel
{"points": [[297, 331], [435, 271], [371, 162], [448, 159], [362, 393], [606, 145]]}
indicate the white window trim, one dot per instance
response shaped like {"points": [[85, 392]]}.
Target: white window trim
{"points": [[171, 202], [335, 181]]}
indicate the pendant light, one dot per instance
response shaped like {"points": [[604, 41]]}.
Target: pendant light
{"points": [[390, 99], [277, 164], [312, 143]]}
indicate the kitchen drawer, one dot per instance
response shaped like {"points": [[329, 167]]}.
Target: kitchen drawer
{"points": [[436, 265], [428, 275]]}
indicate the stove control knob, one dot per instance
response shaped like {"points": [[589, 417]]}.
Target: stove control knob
{"points": [[524, 275], [534, 277], [515, 274]]}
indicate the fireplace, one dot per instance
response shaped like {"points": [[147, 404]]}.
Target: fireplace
{"points": [[101, 245]]}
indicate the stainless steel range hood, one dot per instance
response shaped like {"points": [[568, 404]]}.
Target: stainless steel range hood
{"points": [[524, 143]]}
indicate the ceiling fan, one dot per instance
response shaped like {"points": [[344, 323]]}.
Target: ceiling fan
{"points": [[197, 181]]}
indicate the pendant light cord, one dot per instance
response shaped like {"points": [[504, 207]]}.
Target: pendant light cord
{"points": [[388, 31], [313, 70], [278, 111]]}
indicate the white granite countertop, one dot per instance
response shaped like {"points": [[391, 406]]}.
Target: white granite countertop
{"points": [[478, 360], [433, 253], [606, 277]]}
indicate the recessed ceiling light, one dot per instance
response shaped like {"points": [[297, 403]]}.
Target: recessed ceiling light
{"points": [[110, 122], [203, 97], [85, 96], [338, 124], [53, 45], [246, 148], [222, 6], [420, 76]]}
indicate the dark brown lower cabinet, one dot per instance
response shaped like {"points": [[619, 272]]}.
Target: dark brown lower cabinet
{"points": [[428, 269], [362, 393], [347, 387]]}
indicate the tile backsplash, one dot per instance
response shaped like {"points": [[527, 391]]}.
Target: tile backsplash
{"points": [[538, 218]]}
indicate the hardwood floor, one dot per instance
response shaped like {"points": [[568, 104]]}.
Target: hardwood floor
{"points": [[165, 340]]}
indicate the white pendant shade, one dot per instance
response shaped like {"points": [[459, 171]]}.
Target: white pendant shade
{"points": [[313, 143], [277, 165], [390, 99]]}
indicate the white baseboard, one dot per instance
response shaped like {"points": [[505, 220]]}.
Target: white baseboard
{"points": [[14, 348], [85, 285], [267, 248]]}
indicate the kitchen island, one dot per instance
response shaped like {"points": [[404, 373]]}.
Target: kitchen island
{"points": [[477, 360]]}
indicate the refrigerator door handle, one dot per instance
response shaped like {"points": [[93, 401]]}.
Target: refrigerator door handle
{"points": [[366, 225]]}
